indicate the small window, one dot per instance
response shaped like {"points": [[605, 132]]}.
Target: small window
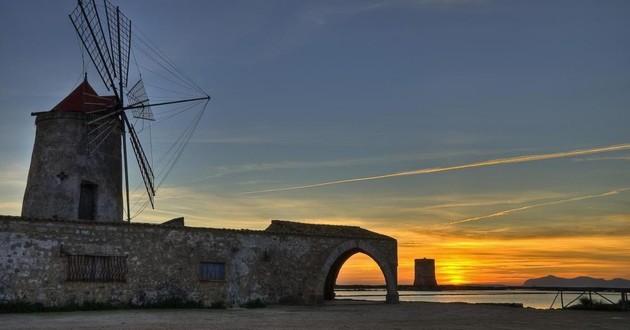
{"points": [[87, 201], [86, 268], [212, 271]]}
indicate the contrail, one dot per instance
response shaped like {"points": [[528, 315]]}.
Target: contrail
{"points": [[518, 159], [527, 207]]}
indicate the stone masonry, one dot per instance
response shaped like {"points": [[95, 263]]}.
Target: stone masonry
{"points": [[76, 167], [286, 263]]}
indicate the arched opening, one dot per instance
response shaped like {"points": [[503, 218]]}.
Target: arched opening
{"points": [[387, 264], [360, 269], [331, 278], [354, 267]]}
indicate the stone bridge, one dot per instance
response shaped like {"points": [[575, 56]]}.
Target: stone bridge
{"points": [[58, 262]]}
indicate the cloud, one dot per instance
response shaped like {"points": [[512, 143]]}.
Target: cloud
{"points": [[202, 209], [527, 207], [220, 171], [500, 161], [321, 15], [247, 140], [592, 159]]}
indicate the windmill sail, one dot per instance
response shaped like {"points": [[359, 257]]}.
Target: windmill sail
{"points": [[99, 131], [137, 96], [119, 27], [110, 56], [87, 23], [141, 158]]}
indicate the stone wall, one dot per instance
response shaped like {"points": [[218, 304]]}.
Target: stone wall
{"points": [[162, 262]]}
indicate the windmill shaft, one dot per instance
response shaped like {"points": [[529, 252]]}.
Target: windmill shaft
{"points": [[139, 104], [113, 113], [166, 103]]}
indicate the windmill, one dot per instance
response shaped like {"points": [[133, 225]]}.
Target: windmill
{"points": [[107, 39]]}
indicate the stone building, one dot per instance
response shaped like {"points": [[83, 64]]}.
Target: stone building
{"points": [[71, 245], [64, 262], [76, 166]]}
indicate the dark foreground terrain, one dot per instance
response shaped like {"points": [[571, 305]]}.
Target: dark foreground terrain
{"points": [[334, 315]]}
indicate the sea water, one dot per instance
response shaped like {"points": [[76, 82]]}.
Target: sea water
{"points": [[529, 298]]}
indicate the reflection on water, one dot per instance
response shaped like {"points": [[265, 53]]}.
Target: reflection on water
{"points": [[529, 298]]}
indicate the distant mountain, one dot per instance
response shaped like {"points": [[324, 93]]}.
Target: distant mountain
{"points": [[578, 282]]}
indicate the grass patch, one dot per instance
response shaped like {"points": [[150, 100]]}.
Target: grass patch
{"points": [[596, 305], [256, 303], [27, 307], [172, 303], [218, 305], [21, 307]]}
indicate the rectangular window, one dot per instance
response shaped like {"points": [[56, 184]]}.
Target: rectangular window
{"points": [[86, 268], [211, 271], [87, 201]]}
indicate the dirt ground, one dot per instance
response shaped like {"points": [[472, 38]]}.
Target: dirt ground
{"points": [[333, 315]]}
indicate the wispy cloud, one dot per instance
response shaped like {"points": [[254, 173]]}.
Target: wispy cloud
{"points": [[527, 207], [320, 15], [500, 161], [264, 138], [592, 159], [220, 171]]}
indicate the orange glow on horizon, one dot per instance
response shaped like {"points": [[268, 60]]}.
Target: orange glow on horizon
{"points": [[360, 269], [498, 261], [498, 254]]}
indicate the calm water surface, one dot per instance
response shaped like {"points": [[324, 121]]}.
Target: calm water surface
{"points": [[529, 298]]}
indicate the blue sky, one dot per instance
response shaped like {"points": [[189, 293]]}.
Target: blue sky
{"points": [[321, 91]]}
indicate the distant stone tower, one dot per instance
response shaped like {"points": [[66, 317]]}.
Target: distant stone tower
{"points": [[75, 174], [425, 274]]}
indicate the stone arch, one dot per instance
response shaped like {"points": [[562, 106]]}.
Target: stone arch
{"points": [[338, 256]]}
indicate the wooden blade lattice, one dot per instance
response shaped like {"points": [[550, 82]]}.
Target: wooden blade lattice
{"points": [[143, 163], [138, 99], [119, 27], [99, 129], [110, 57], [87, 23]]}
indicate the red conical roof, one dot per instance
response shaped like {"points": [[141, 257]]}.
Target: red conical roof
{"points": [[84, 99]]}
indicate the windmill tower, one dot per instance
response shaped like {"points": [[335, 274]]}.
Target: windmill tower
{"points": [[80, 151], [67, 179]]}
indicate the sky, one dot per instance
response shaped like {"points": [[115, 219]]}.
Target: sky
{"points": [[490, 135]]}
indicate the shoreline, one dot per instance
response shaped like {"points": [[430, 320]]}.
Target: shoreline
{"points": [[336, 314], [538, 299], [362, 287]]}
